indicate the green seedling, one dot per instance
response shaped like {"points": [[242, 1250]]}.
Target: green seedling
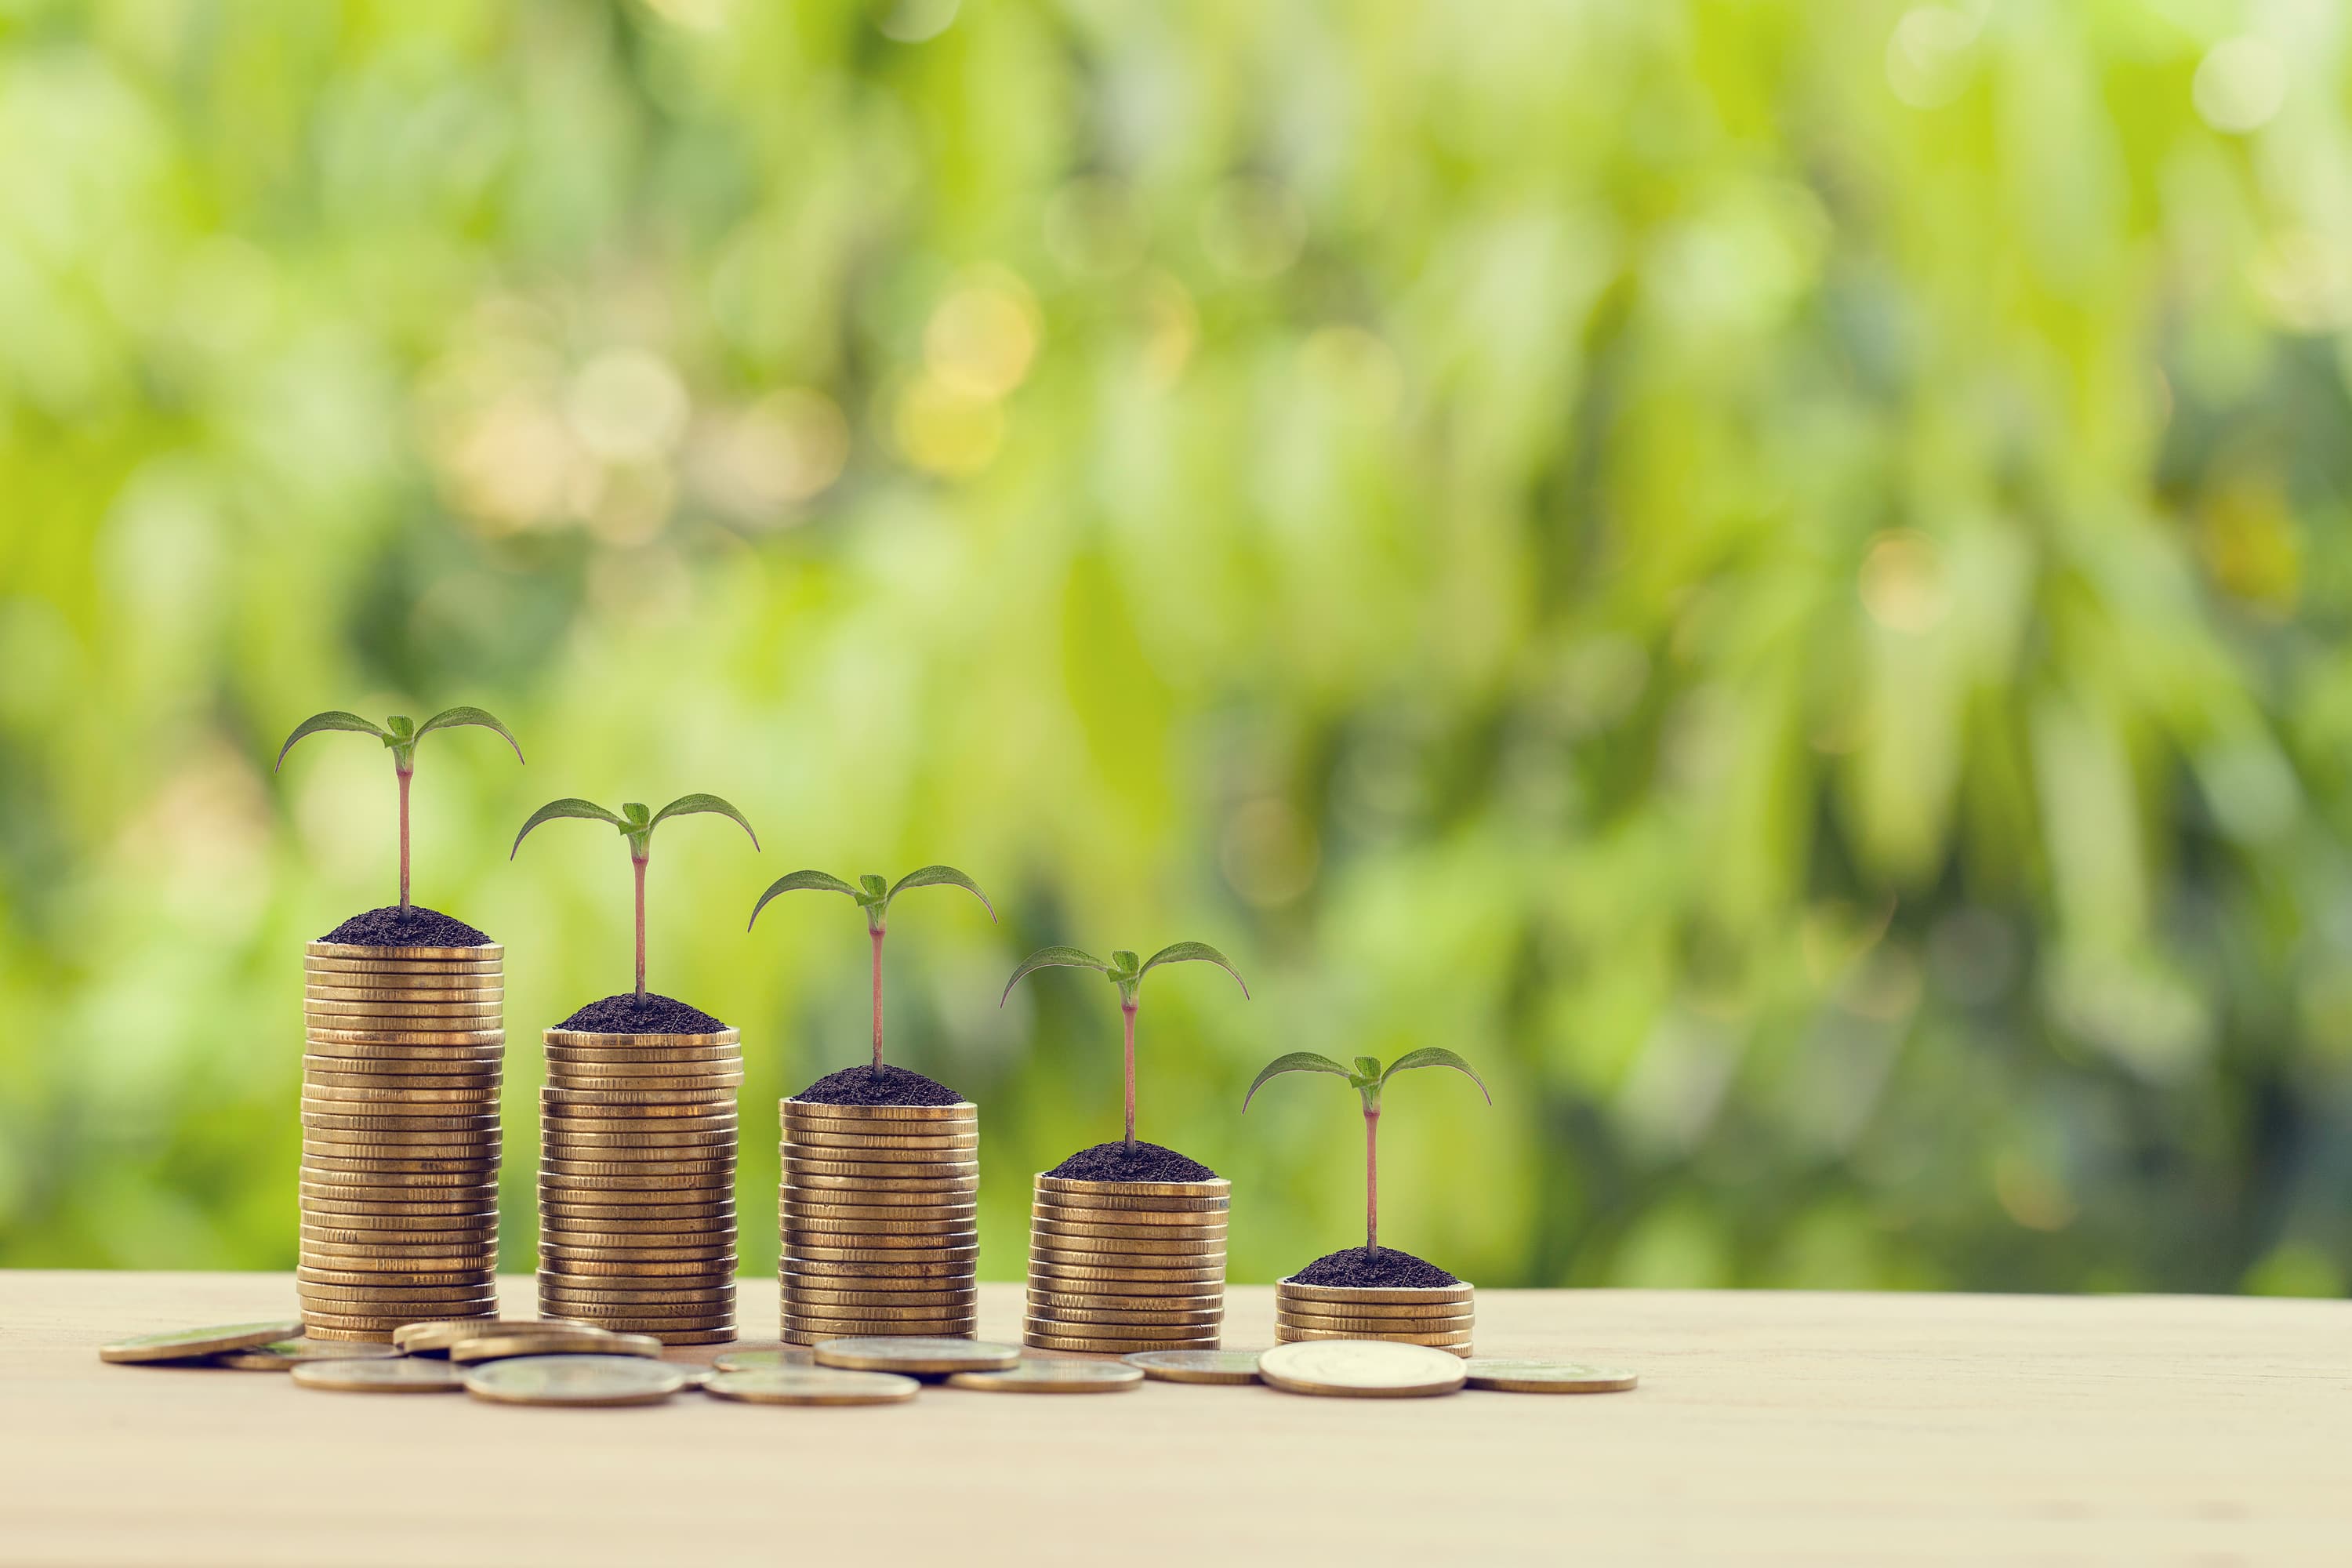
{"points": [[874, 900], [1126, 972], [637, 827], [400, 735], [1367, 1079]]}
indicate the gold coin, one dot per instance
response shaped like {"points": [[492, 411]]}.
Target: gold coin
{"points": [[437, 1335], [411, 1050], [422, 1087], [1509, 1376], [307, 1275], [917, 1355], [751, 1360], [913, 1268], [1134, 1292], [399, 1376], [1373, 1327], [612, 1146], [541, 1339], [941, 1256], [810, 1386], [805, 1165], [432, 1017], [1159, 1221], [442, 991], [1130, 1249], [718, 1220], [882, 1213], [810, 1296], [1400, 1314], [1052, 1303], [1123, 1320], [1355, 1295], [402, 1205], [712, 1167], [1046, 1339], [851, 1323], [1052, 1375], [1093, 1269], [284, 1355], [1290, 1333], [1362, 1369], [799, 1307], [964, 1144], [632, 1119], [485, 952], [714, 1265], [1230, 1367], [393, 1244], [703, 1089], [876, 1115], [345, 1097], [1216, 1187], [323, 1256], [1122, 1204], [868, 1233], [402, 977], [590, 1039], [577, 1380], [1122, 1232], [864, 1185], [659, 1322], [723, 1334], [369, 1126], [866, 1196], [438, 1186], [661, 1057], [190, 1344], [472, 1168], [401, 1226], [375, 1328]]}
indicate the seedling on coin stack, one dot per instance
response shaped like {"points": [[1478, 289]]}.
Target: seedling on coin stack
{"points": [[877, 1209], [1127, 1240], [637, 1180], [403, 1012], [1373, 1292]]}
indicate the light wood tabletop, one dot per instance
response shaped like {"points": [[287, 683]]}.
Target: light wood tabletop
{"points": [[1792, 1427]]}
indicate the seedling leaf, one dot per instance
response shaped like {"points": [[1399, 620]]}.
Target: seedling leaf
{"points": [[685, 804], [796, 882], [1047, 958], [938, 876], [1295, 1061], [570, 806], [335, 719], [451, 718], [1193, 952], [1436, 1057]]}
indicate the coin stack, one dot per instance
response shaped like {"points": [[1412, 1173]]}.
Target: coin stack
{"points": [[1427, 1315], [1116, 1267], [403, 1052], [636, 1182], [877, 1218]]}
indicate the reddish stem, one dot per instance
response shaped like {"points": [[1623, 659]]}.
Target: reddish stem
{"points": [[637, 862], [1126, 1010], [404, 774], [877, 998], [1371, 1180]]}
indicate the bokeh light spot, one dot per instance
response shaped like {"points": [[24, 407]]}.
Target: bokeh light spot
{"points": [[2239, 85], [981, 338], [1928, 55], [945, 431], [627, 406], [1902, 582]]}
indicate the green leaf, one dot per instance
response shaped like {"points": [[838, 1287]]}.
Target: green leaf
{"points": [[1369, 1069], [451, 718], [1049, 957], [1295, 1061], [336, 719], [402, 729], [878, 891], [687, 805], [936, 877], [796, 882], [1437, 1056], [570, 806], [637, 815], [1193, 952]]}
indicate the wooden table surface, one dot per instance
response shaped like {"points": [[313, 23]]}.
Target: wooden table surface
{"points": [[1768, 1427]]}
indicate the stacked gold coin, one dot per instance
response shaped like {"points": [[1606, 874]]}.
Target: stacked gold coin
{"points": [[1116, 1267], [876, 1220], [403, 1052], [1429, 1315], [636, 1182]]}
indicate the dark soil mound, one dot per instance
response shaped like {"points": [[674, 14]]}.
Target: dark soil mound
{"points": [[630, 1014], [1374, 1269], [417, 927], [1138, 1162], [885, 1085]]}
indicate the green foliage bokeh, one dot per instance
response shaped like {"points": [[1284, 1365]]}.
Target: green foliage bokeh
{"points": [[1771, 572]]}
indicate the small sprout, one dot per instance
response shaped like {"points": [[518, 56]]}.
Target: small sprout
{"points": [[400, 735], [1366, 1078], [871, 897], [1125, 972], [637, 827]]}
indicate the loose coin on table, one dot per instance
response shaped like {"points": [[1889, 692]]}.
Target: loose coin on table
{"points": [[916, 1355], [810, 1385], [542, 1340], [1507, 1376], [402, 1374], [437, 1337], [1361, 1369], [751, 1361], [582, 1380], [1197, 1366], [1053, 1374], [285, 1355], [190, 1344]]}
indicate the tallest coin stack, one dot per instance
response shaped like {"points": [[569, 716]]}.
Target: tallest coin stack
{"points": [[403, 1049]]}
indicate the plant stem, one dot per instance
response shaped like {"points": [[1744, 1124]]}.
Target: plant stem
{"points": [[637, 863], [404, 774], [1126, 1010], [877, 998], [1371, 1180]]}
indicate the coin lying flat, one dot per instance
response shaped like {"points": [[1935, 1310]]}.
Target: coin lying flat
{"points": [[190, 1344], [285, 1355], [539, 1340], [1053, 1374], [916, 1354], [1197, 1366], [403, 1375], [1547, 1376], [1362, 1369], [574, 1380], [810, 1386], [751, 1360], [427, 1338]]}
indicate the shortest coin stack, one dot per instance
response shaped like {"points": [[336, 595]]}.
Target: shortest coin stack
{"points": [[636, 1182], [876, 1220], [1438, 1316], [1116, 1267], [400, 1136]]}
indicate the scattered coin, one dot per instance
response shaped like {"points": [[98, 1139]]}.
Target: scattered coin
{"points": [[1197, 1366], [438, 1335], [579, 1380], [546, 1340], [1362, 1369], [191, 1344], [751, 1361], [402, 1374], [1053, 1374], [810, 1386], [916, 1354], [1508, 1376], [284, 1355]]}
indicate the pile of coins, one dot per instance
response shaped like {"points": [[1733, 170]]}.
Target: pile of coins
{"points": [[1437, 1316], [876, 1220], [636, 1182], [400, 1136], [1127, 1266]]}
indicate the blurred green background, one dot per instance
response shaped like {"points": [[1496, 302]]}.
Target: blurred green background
{"points": [[1774, 573]]}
